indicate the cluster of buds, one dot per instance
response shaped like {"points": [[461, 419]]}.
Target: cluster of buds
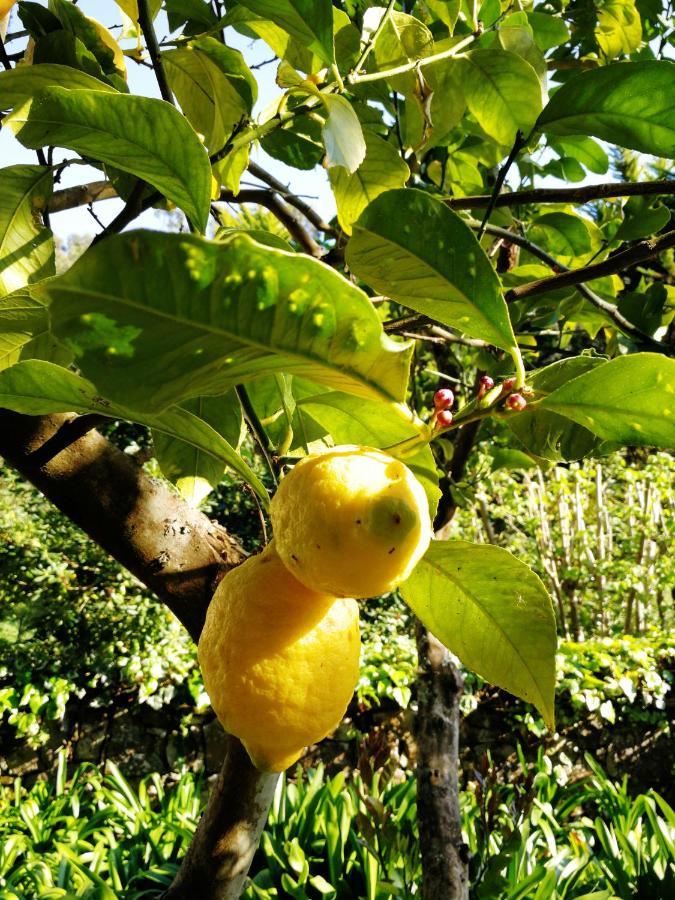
{"points": [[444, 400]]}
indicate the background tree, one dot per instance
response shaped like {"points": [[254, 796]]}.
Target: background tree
{"points": [[550, 311]]}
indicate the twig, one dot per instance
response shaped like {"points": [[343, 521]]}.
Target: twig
{"points": [[134, 206], [623, 324], [518, 145], [372, 40], [257, 430], [310, 214], [145, 22], [70, 431], [416, 63], [610, 266], [577, 195], [282, 211], [4, 59]]}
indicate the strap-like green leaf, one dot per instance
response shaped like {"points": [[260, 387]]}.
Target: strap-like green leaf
{"points": [[38, 388], [158, 318], [630, 399], [493, 612], [631, 104], [146, 137], [411, 247]]}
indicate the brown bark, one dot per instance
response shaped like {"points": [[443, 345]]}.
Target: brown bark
{"points": [[180, 555], [221, 852], [444, 855], [173, 549]]}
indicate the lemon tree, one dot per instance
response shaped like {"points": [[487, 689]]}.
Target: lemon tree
{"points": [[342, 358]]}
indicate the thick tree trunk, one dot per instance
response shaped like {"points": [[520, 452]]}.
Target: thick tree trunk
{"points": [[444, 854], [172, 548], [227, 837], [180, 555]]}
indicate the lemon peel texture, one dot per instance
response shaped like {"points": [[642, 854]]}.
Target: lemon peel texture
{"points": [[280, 661], [351, 521]]}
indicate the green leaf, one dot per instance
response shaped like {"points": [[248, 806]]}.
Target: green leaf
{"points": [[642, 217], [310, 22], [562, 234], [342, 134], [631, 104], [381, 170], [26, 246], [38, 388], [24, 329], [549, 31], [155, 319], [351, 420], [412, 248], [584, 150], [546, 434], [213, 85], [193, 471], [23, 82], [619, 28], [297, 144], [493, 612], [146, 137], [502, 91], [403, 39], [630, 400]]}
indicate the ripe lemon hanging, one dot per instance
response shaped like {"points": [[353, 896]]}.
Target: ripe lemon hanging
{"points": [[351, 521], [280, 661]]}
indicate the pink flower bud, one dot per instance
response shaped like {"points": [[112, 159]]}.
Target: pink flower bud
{"points": [[444, 418], [444, 398], [516, 402]]}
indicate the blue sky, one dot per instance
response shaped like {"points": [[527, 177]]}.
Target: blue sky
{"points": [[313, 185]]}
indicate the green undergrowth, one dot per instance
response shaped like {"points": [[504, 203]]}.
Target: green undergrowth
{"points": [[94, 835]]}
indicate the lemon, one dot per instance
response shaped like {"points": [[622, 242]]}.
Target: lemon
{"points": [[5, 6], [351, 521], [280, 662]]}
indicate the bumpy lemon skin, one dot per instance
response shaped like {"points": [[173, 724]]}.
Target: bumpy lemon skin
{"points": [[280, 662], [351, 521]]}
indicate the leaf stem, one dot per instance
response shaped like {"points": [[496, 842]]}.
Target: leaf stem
{"points": [[258, 432]]}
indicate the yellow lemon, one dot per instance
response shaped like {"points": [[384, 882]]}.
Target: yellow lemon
{"points": [[280, 662], [352, 521]]}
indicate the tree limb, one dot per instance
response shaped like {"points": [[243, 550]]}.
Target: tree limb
{"points": [[175, 550], [179, 554], [81, 195], [281, 210], [292, 199], [222, 849], [617, 263], [145, 21], [577, 195]]}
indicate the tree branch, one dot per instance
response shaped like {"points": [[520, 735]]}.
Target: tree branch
{"points": [[145, 21], [355, 78], [281, 210], [81, 195], [173, 549], [518, 144], [222, 849], [179, 554], [372, 40], [310, 214], [610, 266], [577, 195]]}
